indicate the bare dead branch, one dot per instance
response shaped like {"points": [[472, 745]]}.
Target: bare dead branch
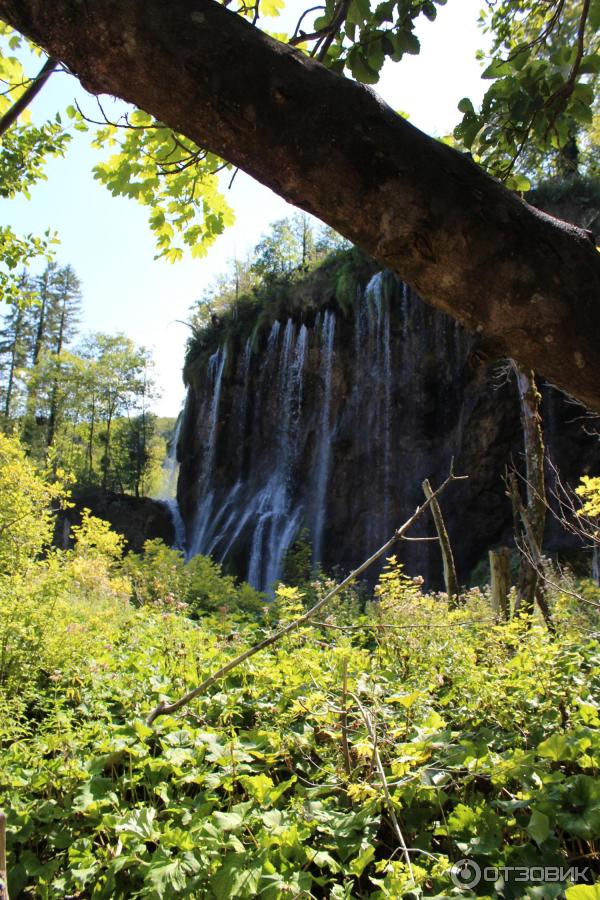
{"points": [[297, 32], [165, 708], [450, 579]]}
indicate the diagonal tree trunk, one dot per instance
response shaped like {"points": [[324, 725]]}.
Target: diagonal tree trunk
{"points": [[528, 284]]}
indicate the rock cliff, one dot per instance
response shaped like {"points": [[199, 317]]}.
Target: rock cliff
{"points": [[328, 416]]}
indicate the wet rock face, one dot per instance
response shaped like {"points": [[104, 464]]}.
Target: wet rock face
{"points": [[329, 421]]}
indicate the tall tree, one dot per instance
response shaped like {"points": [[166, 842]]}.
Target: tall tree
{"points": [[304, 232], [40, 312], [15, 341], [279, 252], [65, 308], [122, 384], [64, 313]]}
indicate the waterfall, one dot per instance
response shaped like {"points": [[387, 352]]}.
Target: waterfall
{"points": [[323, 456], [243, 405], [329, 420], [216, 364], [202, 523], [276, 517], [168, 491], [376, 403]]}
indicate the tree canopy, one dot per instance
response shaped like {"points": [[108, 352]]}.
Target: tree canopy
{"points": [[528, 285]]}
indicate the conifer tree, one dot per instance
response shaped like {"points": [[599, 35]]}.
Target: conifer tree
{"points": [[15, 344]]}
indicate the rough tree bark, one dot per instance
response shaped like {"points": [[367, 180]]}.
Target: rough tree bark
{"points": [[528, 284], [531, 520]]}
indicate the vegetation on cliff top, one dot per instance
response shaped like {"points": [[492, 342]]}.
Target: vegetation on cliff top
{"points": [[296, 269]]}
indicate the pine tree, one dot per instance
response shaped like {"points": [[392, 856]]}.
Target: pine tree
{"points": [[15, 343], [63, 316]]}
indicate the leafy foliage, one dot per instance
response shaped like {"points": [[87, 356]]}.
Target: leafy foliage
{"points": [[489, 737], [173, 177], [543, 71], [25, 516], [589, 491]]}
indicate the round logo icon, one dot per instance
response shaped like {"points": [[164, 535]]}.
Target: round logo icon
{"points": [[466, 873]]}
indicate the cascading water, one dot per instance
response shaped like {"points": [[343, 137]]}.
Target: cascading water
{"points": [[327, 423], [167, 494], [380, 390], [277, 519], [216, 365], [243, 405], [323, 455], [281, 478]]}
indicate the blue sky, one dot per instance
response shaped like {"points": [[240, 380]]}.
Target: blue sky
{"points": [[109, 244]]}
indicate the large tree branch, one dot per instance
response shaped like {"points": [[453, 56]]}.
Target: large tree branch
{"points": [[528, 284]]}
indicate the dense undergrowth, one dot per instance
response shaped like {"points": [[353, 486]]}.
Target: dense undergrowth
{"points": [[269, 786]]}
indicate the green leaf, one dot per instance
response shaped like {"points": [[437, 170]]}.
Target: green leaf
{"points": [[227, 821], [583, 892], [518, 183], [357, 12], [92, 792], [325, 860], [539, 826], [139, 823], [169, 875], [590, 65], [580, 807], [589, 714], [465, 105], [272, 8], [360, 68], [360, 862], [239, 876], [406, 700], [406, 42], [557, 747], [257, 786], [468, 130]]}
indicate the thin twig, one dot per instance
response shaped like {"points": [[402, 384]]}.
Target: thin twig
{"points": [[384, 784], [164, 708], [297, 31]]}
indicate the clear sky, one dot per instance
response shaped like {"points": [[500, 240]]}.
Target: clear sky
{"points": [[109, 244]]}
